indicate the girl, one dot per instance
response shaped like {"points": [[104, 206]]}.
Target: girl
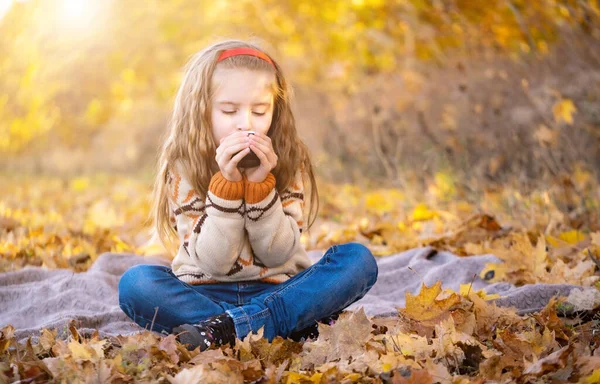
{"points": [[240, 264]]}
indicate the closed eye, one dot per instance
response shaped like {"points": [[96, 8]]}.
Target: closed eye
{"points": [[232, 112]]}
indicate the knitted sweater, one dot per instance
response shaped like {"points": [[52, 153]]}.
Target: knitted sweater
{"points": [[242, 230]]}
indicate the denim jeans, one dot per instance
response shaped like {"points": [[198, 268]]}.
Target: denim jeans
{"points": [[153, 297]]}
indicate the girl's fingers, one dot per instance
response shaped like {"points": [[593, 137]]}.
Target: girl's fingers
{"points": [[263, 143], [229, 151], [237, 158], [225, 156], [264, 158], [259, 153], [267, 150], [233, 139], [259, 138], [261, 146]]}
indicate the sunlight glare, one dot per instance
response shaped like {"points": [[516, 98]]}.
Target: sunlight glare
{"points": [[73, 8], [76, 12], [4, 6]]}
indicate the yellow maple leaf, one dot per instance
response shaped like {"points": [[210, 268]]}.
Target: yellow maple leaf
{"points": [[422, 213], [425, 305], [79, 351], [375, 202], [521, 258], [465, 291], [409, 345], [80, 184], [563, 110], [98, 346], [382, 201], [120, 245], [572, 237], [297, 378], [553, 241]]}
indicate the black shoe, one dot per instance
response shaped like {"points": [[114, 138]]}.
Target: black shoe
{"points": [[212, 332], [312, 331]]}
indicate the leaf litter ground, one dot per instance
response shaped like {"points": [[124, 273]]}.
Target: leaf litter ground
{"points": [[441, 336]]}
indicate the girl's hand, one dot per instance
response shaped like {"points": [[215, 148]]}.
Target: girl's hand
{"points": [[229, 153], [261, 145]]}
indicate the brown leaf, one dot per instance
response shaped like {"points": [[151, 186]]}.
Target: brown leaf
{"points": [[48, 338], [104, 372], [7, 335], [60, 348], [588, 364], [345, 339], [274, 373], [552, 362], [169, 345], [73, 330], [407, 375], [549, 318], [490, 317], [448, 341], [277, 351]]}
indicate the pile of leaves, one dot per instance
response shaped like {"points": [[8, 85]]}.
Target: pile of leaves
{"points": [[457, 338], [441, 336]]}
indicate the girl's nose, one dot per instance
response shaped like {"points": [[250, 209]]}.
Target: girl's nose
{"points": [[244, 123]]}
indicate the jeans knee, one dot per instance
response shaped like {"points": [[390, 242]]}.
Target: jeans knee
{"points": [[364, 261], [369, 263], [135, 281]]}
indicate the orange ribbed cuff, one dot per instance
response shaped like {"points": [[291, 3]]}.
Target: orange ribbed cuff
{"points": [[225, 189], [257, 192]]}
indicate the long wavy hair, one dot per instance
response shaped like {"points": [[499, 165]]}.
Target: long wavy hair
{"points": [[189, 140]]}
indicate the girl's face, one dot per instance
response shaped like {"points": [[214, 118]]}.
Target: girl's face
{"points": [[243, 100]]}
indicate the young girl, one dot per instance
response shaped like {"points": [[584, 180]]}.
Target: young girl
{"points": [[240, 264]]}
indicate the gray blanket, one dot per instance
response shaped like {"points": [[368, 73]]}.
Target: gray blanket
{"points": [[34, 298]]}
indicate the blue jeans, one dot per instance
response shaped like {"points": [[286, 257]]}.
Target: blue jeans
{"points": [[153, 297]]}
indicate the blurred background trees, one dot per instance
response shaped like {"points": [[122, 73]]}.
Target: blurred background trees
{"points": [[387, 90]]}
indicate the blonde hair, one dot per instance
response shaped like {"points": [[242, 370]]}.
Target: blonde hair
{"points": [[189, 140]]}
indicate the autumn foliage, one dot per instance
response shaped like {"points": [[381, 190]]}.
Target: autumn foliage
{"points": [[440, 336], [467, 126]]}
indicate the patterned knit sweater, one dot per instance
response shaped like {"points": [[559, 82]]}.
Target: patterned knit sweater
{"points": [[242, 230]]}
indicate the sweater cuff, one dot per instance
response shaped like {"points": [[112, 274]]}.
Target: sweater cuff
{"points": [[257, 192], [225, 189]]}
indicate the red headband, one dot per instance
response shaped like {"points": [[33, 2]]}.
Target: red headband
{"points": [[245, 51]]}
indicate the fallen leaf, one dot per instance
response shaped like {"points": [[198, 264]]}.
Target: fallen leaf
{"points": [[342, 340], [205, 374], [555, 360], [80, 351], [426, 306], [563, 110]]}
